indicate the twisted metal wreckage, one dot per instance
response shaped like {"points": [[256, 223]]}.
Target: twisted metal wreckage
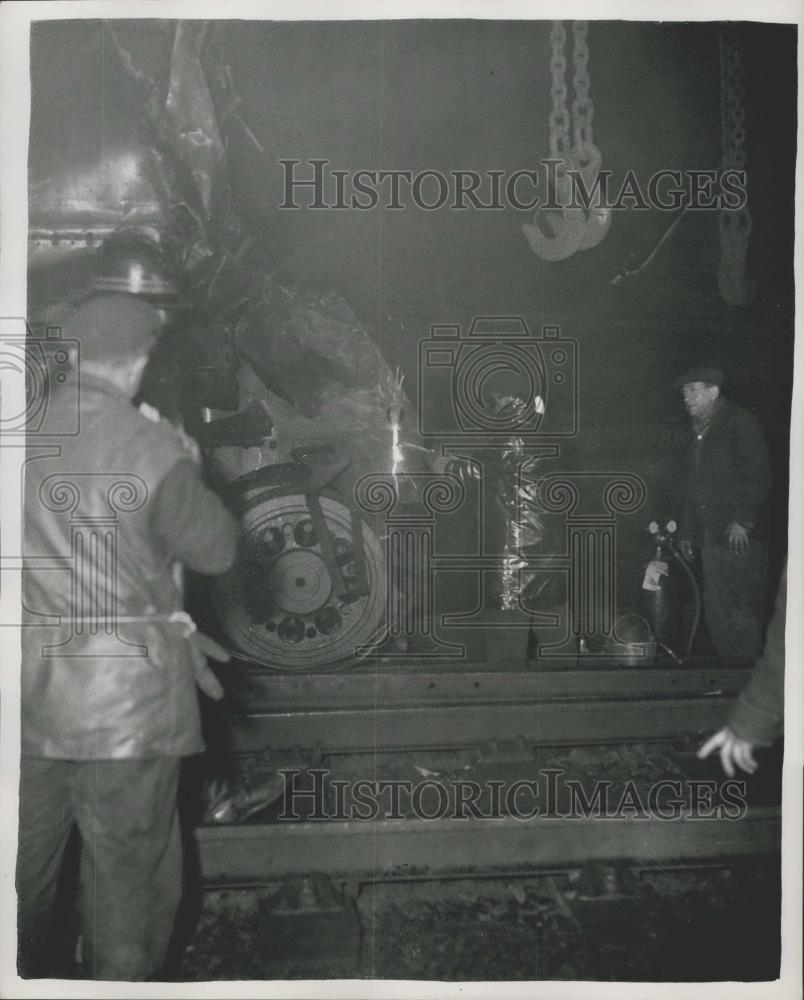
{"points": [[285, 389]]}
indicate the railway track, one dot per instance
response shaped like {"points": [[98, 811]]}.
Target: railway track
{"points": [[385, 714], [390, 707], [318, 891], [586, 910], [392, 850]]}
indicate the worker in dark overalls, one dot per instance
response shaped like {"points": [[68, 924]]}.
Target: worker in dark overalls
{"points": [[757, 719], [728, 480], [110, 661]]}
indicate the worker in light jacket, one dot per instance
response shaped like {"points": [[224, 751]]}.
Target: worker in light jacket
{"points": [[110, 663], [726, 488]]}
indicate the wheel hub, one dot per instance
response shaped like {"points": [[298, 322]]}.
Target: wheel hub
{"points": [[301, 582]]}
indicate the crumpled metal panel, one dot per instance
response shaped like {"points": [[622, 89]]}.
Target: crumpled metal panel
{"points": [[87, 162], [190, 115], [152, 151], [92, 197]]}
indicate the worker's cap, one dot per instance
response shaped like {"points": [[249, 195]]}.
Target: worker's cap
{"points": [[113, 327], [709, 376]]}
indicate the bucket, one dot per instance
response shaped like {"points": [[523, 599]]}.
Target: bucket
{"points": [[632, 642]]}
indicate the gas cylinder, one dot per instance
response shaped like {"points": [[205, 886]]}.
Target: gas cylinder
{"points": [[662, 590]]}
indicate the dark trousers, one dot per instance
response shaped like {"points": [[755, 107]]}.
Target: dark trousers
{"points": [[131, 861], [734, 585]]}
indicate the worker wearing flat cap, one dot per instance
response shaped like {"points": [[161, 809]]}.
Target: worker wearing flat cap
{"points": [[110, 661], [727, 483]]}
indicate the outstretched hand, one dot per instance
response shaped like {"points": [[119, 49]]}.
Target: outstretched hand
{"points": [[732, 751], [201, 649], [738, 537]]}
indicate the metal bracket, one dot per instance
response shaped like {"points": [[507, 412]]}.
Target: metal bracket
{"points": [[325, 541], [359, 553]]}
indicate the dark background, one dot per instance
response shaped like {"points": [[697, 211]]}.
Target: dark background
{"points": [[454, 95]]}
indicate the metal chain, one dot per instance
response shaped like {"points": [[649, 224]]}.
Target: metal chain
{"points": [[574, 228], [559, 114], [587, 155], [735, 225], [732, 94], [582, 108]]}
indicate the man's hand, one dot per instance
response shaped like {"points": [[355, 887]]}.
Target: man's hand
{"points": [[189, 444], [201, 648], [732, 750], [686, 549], [738, 537]]}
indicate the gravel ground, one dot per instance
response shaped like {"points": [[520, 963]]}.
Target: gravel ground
{"points": [[637, 766], [594, 924], [667, 926]]}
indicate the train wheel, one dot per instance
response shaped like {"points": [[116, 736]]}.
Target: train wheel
{"points": [[279, 604]]}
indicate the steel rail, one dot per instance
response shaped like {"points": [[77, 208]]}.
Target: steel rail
{"points": [[395, 849], [443, 727], [252, 689], [387, 711]]}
